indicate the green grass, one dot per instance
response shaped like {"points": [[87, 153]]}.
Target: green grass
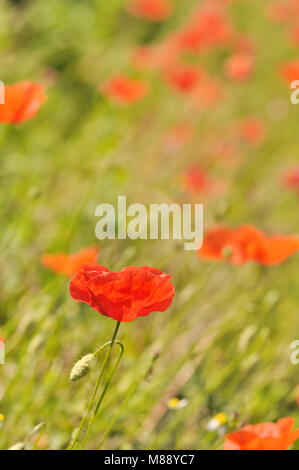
{"points": [[225, 342]]}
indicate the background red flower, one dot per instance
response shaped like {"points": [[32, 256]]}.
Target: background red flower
{"points": [[70, 264], [155, 10], [247, 243], [124, 90], [265, 436], [22, 102]]}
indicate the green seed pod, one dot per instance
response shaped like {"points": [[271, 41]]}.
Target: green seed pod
{"points": [[82, 367]]}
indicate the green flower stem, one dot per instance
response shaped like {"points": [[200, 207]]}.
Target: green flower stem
{"points": [[95, 413], [91, 402], [131, 392]]}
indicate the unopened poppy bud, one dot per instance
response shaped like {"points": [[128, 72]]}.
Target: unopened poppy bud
{"points": [[82, 368], [18, 446]]}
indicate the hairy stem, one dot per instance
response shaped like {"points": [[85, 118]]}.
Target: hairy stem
{"points": [[110, 345], [95, 413]]}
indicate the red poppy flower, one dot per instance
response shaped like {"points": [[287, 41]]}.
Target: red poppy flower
{"points": [[22, 102], [239, 67], [265, 436], [278, 248], [294, 34], [155, 57], [206, 94], [124, 90], [290, 71], [244, 45], [252, 130], [207, 27], [291, 179], [183, 78], [69, 265], [124, 295], [246, 243], [197, 181], [154, 10], [286, 11]]}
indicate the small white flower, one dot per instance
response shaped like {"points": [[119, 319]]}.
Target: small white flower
{"points": [[217, 423], [177, 403]]}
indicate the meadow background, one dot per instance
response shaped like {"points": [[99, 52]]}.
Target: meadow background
{"points": [[224, 345]]}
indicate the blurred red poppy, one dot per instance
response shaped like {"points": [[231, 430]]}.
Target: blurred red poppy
{"points": [[156, 56], [154, 10], [290, 71], [244, 44], [239, 67], [196, 180], [124, 295], [124, 90], [265, 436], [69, 265], [294, 35], [183, 78], [252, 130], [291, 179], [206, 94], [288, 10], [238, 246], [22, 102], [207, 27]]}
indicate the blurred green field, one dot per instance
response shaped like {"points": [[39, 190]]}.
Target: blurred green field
{"points": [[224, 345]]}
